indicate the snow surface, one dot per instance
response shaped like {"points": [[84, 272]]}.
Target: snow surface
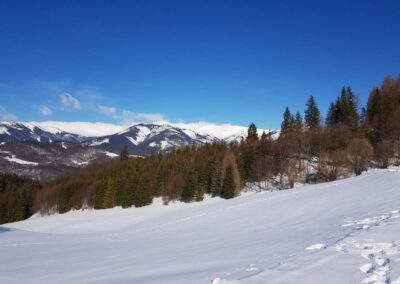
{"points": [[255, 238], [14, 159]]}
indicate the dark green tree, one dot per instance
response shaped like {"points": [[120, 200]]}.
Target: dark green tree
{"points": [[229, 187], [312, 115], [189, 189], [287, 120], [252, 134], [298, 122]]}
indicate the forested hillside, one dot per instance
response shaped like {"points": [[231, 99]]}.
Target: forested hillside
{"points": [[309, 149]]}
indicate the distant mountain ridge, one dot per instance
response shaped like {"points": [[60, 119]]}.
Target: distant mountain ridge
{"points": [[143, 139], [47, 152], [26, 132]]}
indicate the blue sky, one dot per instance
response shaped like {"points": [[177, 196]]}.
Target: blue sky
{"points": [[215, 61]]}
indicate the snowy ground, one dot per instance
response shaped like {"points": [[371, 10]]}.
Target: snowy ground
{"points": [[346, 231]]}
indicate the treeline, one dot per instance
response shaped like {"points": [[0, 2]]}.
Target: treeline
{"points": [[309, 148], [184, 175]]}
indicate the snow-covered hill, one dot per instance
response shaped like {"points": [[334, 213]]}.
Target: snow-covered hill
{"points": [[347, 231]]}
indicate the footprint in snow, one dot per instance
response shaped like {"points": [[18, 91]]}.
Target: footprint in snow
{"points": [[367, 268]]}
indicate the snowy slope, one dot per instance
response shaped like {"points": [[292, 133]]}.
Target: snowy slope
{"points": [[346, 231]]}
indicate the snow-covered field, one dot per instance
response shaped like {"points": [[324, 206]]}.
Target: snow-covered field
{"points": [[346, 231]]}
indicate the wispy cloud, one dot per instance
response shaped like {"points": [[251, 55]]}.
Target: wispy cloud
{"points": [[110, 111], [67, 100], [45, 111], [6, 116], [133, 117]]}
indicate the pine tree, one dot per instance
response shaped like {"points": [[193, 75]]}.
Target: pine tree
{"points": [[199, 193], [331, 117], [298, 122], [229, 187], [141, 194], [109, 193], [264, 147], [252, 134], [287, 120], [188, 192], [312, 115]]}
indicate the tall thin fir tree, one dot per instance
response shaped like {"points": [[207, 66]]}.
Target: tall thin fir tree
{"points": [[298, 122], [287, 120], [228, 186], [312, 115]]}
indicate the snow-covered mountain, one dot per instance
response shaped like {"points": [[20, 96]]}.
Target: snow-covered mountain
{"points": [[144, 139], [346, 231], [28, 132]]}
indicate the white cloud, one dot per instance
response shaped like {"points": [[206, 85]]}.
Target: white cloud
{"points": [[45, 111], [133, 117], [110, 111], [6, 116], [69, 101]]}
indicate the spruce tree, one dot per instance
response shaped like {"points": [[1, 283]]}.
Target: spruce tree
{"points": [[199, 193], [252, 134], [331, 117], [264, 147], [228, 186], [312, 115], [188, 192], [298, 122], [109, 193], [287, 120]]}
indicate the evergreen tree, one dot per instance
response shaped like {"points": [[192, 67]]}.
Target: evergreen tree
{"points": [[331, 118], [141, 193], [189, 189], [264, 147], [199, 193], [344, 111], [109, 193], [229, 187], [252, 134], [312, 115], [298, 122], [287, 120]]}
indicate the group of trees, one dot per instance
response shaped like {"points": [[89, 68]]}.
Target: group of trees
{"points": [[185, 175], [309, 149], [16, 197]]}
